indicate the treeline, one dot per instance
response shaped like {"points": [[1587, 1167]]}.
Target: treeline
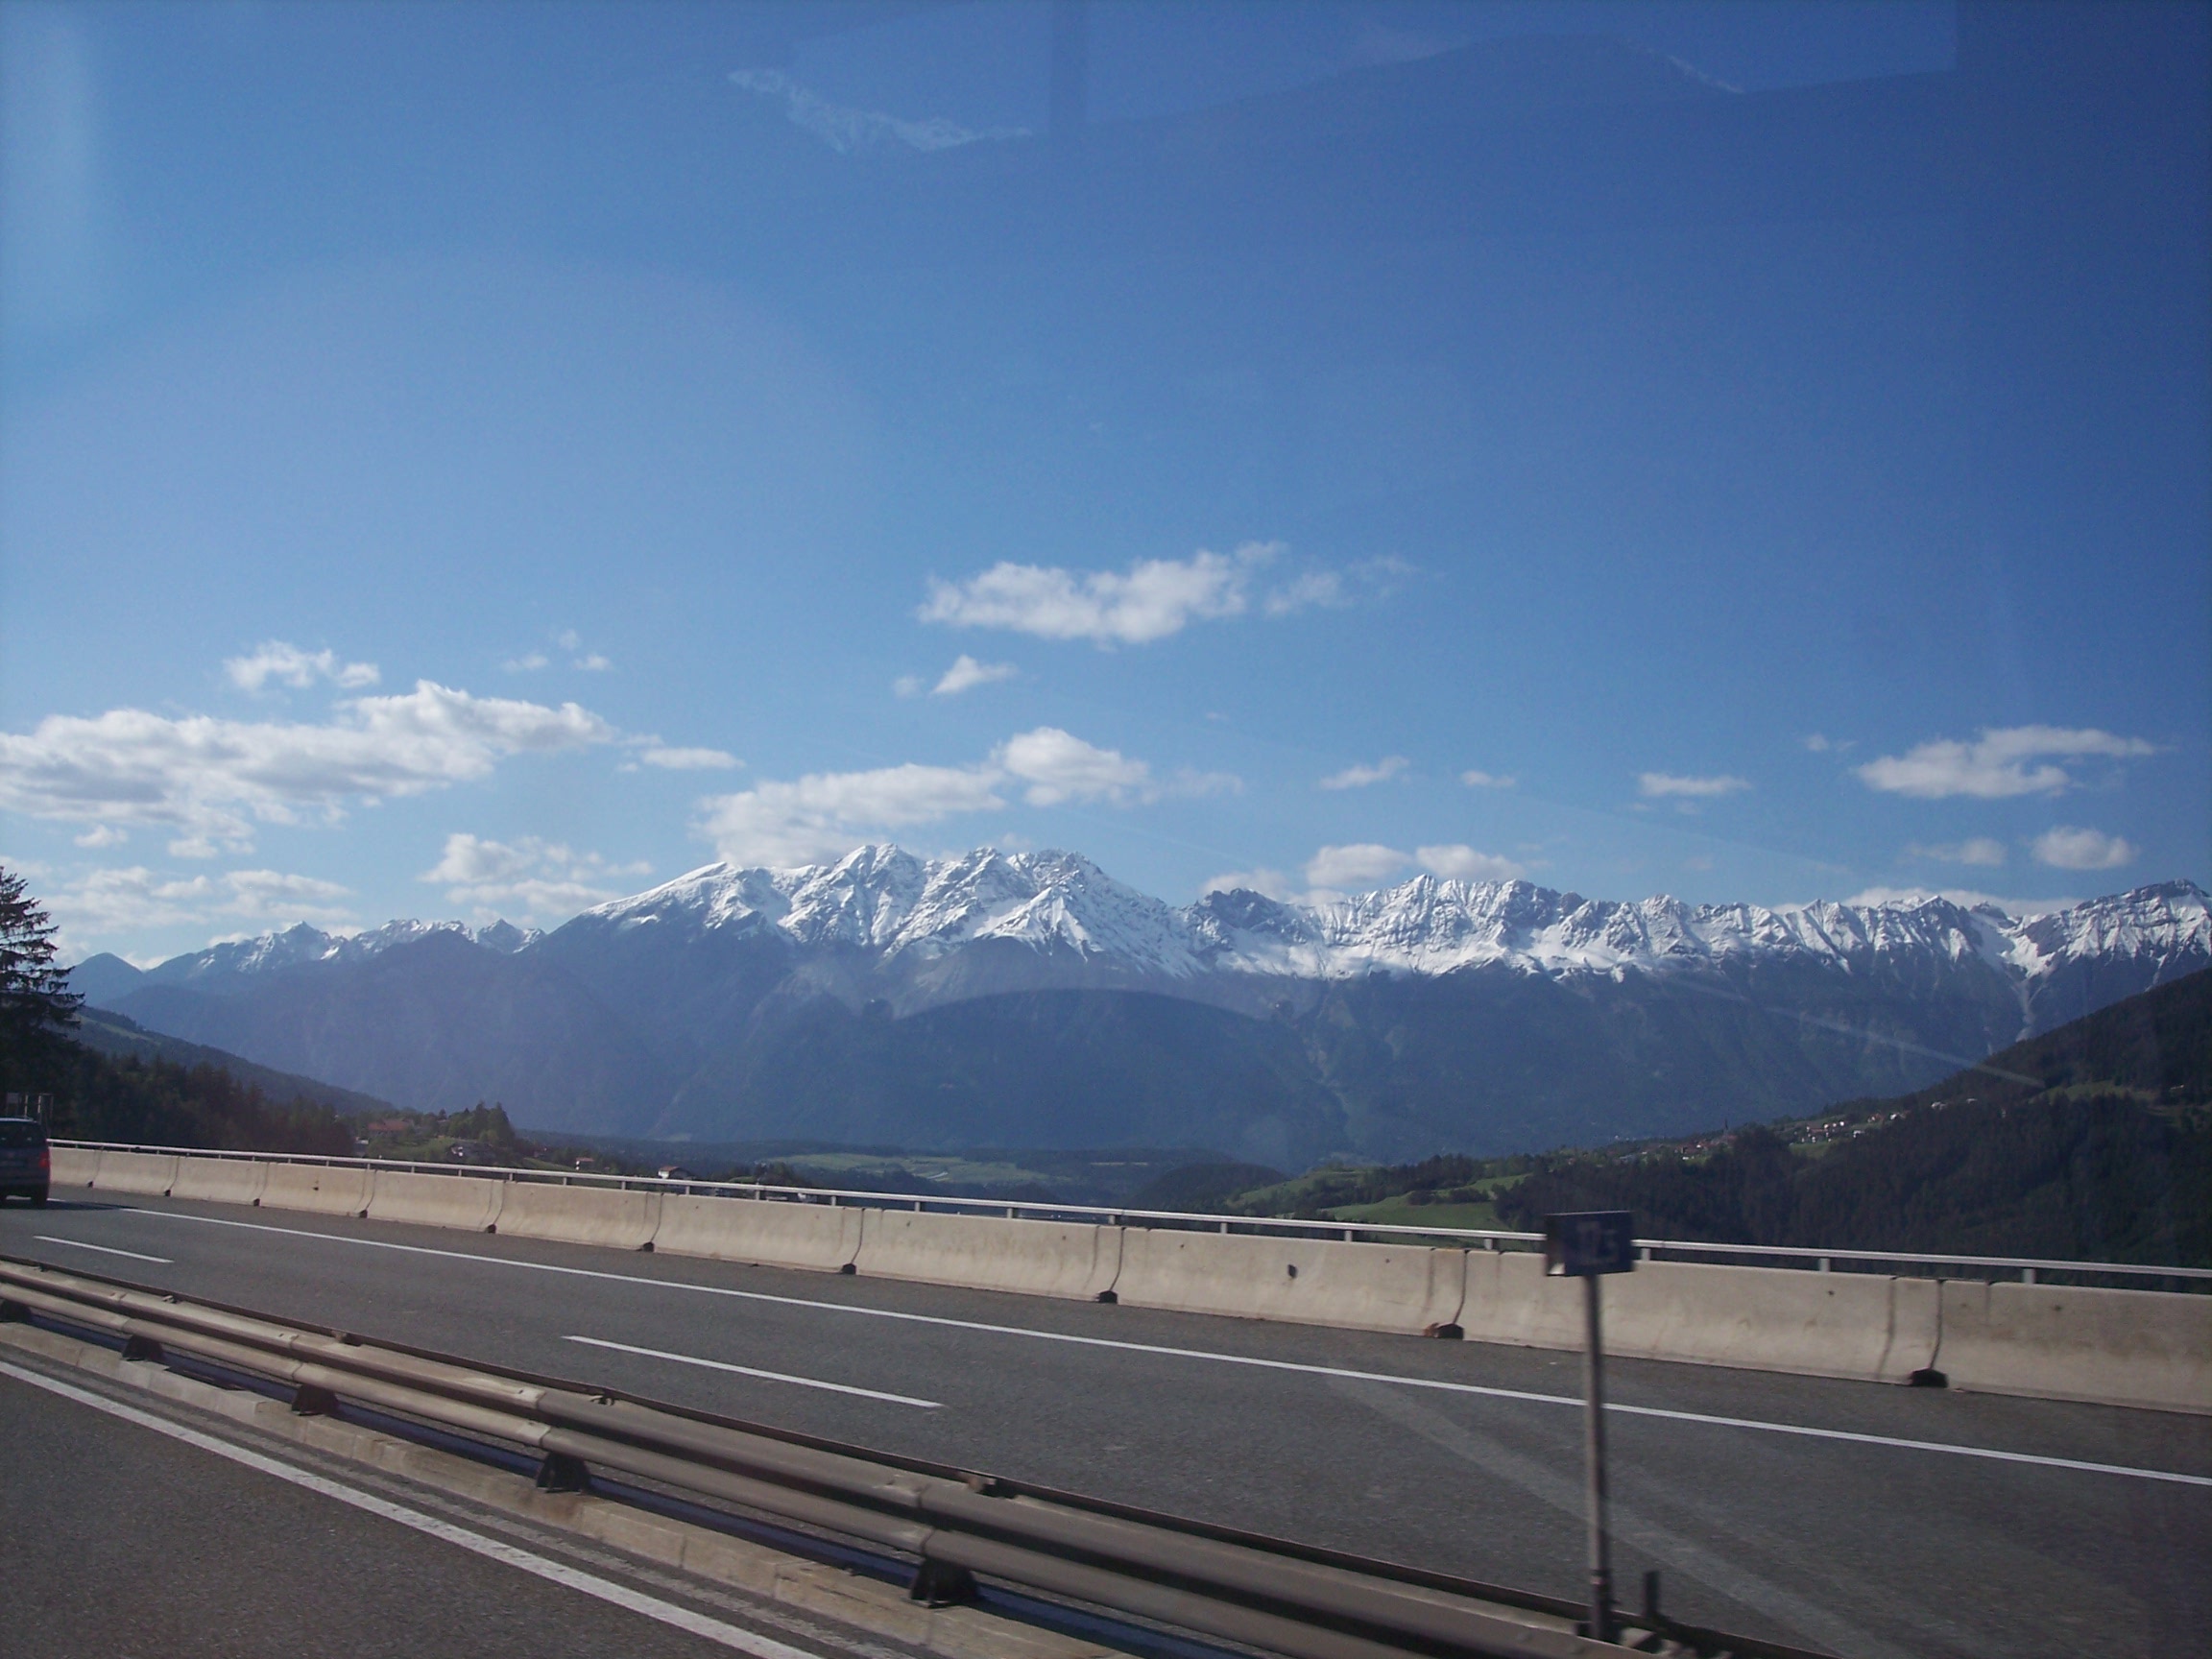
{"points": [[1448, 1178], [2095, 1177], [2093, 1141], [159, 1102]]}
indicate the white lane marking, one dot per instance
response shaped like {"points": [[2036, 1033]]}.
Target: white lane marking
{"points": [[1576, 1400], [445, 1531], [103, 1249], [752, 1371]]}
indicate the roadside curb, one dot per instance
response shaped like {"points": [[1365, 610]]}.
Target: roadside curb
{"points": [[756, 1570]]}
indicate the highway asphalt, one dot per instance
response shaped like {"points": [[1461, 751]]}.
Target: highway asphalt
{"points": [[132, 1528], [1873, 1522]]}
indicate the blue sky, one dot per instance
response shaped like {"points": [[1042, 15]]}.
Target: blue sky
{"points": [[472, 460]]}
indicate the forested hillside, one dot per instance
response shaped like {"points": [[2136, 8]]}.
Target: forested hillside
{"points": [[2091, 1141], [160, 1102]]}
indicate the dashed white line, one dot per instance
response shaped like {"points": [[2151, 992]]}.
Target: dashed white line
{"points": [[445, 1531], [103, 1249], [1476, 1388], [755, 1371]]}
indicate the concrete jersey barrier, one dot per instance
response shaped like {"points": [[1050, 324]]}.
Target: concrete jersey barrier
{"points": [[1308, 1280], [819, 1237], [606, 1217], [1856, 1325], [2136, 1348], [220, 1180], [2142, 1347], [148, 1173], [435, 1200], [323, 1188], [1074, 1260]]}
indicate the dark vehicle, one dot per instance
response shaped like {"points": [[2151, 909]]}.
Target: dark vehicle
{"points": [[26, 1166]]}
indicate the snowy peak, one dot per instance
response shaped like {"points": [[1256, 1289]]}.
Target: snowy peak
{"points": [[2160, 923], [880, 909], [296, 946], [887, 901]]}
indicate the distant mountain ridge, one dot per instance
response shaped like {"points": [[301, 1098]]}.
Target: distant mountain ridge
{"points": [[119, 1038], [1030, 998]]}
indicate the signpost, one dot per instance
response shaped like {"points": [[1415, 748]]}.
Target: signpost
{"points": [[1586, 1245]]}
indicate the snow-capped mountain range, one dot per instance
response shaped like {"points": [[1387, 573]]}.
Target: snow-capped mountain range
{"points": [[888, 902], [1031, 999]]}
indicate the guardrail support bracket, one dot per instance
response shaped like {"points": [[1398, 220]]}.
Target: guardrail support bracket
{"points": [[937, 1584], [562, 1472], [311, 1401], [142, 1348]]}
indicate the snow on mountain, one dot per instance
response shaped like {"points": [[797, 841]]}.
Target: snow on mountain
{"points": [[2158, 920], [302, 944], [885, 905], [885, 901]]}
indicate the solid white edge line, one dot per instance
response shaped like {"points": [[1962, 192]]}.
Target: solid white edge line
{"points": [[755, 1371], [1476, 1388], [445, 1531], [2035, 1457], [103, 1249]]}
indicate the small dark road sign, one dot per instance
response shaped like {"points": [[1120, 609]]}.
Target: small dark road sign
{"points": [[1583, 1243]]}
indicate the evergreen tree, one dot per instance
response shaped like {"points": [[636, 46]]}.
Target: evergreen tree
{"points": [[37, 1006]]}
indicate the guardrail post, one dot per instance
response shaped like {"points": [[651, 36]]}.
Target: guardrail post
{"points": [[562, 1472], [1824, 1265], [2026, 1275]]}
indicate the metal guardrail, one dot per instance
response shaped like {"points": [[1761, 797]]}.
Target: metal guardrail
{"points": [[2030, 1268], [951, 1524]]}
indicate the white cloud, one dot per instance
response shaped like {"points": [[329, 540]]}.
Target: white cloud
{"points": [[265, 894], [594, 664], [1155, 598], [1360, 777], [103, 835], [289, 665], [212, 778], [1816, 743], [1059, 767], [1476, 779], [909, 686], [1659, 785], [966, 674], [529, 664], [1462, 863], [1152, 599], [851, 131], [1980, 849], [568, 640], [1967, 896], [1273, 883], [688, 760], [2069, 848], [825, 813], [2000, 762], [1358, 865], [135, 899], [1324, 589], [538, 882]]}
